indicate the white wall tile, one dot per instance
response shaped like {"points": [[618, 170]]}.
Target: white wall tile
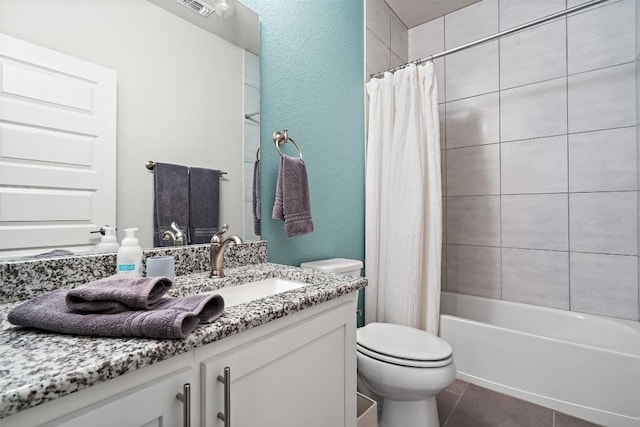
{"points": [[396, 61], [534, 110], [473, 171], [438, 64], [442, 116], [518, 12], [251, 69], [603, 160], [426, 39], [378, 55], [473, 71], [536, 277], [251, 141], [605, 284], [602, 99], [473, 121], [533, 55], [605, 223], [399, 38], [251, 99], [601, 37], [379, 20], [473, 270], [471, 23], [534, 166], [473, 220], [535, 221]]}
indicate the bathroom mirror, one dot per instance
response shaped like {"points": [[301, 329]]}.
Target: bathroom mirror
{"points": [[181, 91]]}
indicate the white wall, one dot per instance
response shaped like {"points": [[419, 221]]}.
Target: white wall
{"points": [[179, 92]]}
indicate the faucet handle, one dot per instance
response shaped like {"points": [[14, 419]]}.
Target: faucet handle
{"points": [[217, 237]]}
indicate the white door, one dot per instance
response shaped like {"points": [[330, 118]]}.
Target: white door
{"points": [[57, 149]]}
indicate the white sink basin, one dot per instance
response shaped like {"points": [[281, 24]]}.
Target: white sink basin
{"points": [[234, 295]]}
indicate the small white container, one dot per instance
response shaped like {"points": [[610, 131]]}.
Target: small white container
{"points": [[129, 258], [161, 266]]}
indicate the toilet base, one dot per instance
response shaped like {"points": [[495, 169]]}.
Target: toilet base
{"points": [[409, 413]]}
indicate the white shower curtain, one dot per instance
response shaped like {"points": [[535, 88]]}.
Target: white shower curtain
{"points": [[404, 199]]}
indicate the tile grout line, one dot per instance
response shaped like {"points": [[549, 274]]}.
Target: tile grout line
{"points": [[500, 149], [566, 51], [455, 405]]}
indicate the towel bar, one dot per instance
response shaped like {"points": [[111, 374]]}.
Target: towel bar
{"points": [[151, 165], [282, 138]]}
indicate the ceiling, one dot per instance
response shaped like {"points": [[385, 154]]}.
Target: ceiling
{"points": [[416, 12]]}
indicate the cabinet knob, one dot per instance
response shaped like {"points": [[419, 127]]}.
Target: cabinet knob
{"points": [[185, 398], [226, 380]]}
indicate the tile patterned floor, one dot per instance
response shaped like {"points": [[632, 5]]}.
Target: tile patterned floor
{"points": [[467, 405]]}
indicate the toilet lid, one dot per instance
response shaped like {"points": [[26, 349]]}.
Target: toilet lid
{"points": [[402, 345]]}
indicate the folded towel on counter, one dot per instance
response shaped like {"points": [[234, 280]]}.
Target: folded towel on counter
{"points": [[256, 199], [204, 204], [171, 191], [118, 293], [292, 197], [171, 318]]}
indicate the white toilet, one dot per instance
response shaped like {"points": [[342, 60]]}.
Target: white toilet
{"points": [[402, 367]]}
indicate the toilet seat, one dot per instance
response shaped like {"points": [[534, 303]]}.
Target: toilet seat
{"points": [[402, 345]]}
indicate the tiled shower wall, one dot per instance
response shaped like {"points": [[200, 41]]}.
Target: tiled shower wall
{"points": [[386, 39], [539, 154]]}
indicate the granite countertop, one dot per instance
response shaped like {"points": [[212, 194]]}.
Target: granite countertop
{"points": [[38, 366]]}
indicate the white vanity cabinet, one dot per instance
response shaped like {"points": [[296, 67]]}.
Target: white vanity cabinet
{"points": [[296, 371], [143, 398]]}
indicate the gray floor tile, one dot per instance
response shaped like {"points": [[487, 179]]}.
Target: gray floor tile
{"points": [[564, 420], [457, 387], [446, 403], [480, 407]]}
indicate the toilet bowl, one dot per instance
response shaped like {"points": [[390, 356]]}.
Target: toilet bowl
{"points": [[403, 368]]}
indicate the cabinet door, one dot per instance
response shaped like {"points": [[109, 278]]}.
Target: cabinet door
{"points": [[149, 405], [299, 376]]}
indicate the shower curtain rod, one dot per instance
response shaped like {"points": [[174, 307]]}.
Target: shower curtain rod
{"points": [[493, 37]]}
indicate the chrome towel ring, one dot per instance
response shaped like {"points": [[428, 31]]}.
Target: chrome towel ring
{"points": [[280, 138]]}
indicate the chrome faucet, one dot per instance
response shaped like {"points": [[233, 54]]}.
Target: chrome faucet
{"points": [[177, 236], [217, 250]]}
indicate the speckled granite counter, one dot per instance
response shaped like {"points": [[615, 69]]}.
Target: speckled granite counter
{"points": [[37, 366]]}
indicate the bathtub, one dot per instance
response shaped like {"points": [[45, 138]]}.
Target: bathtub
{"points": [[583, 365]]}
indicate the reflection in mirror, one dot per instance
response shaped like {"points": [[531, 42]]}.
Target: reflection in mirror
{"points": [[180, 95]]}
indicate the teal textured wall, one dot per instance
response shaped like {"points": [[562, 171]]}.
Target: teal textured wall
{"points": [[312, 67]]}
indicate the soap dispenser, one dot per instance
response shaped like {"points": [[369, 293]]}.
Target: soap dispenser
{"points": [[129, 259], [108, 243]]}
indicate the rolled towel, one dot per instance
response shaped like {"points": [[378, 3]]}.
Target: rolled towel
{"points": [[118, 293], [171, 318]]}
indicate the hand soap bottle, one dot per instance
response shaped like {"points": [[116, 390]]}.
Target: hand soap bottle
{"points": [[129, 259], [108, 243]]}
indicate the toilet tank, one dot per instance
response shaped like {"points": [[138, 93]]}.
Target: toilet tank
{"points": [[336, 265]]}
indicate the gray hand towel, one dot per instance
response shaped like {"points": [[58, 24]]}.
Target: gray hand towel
{"points": [[171, 190], [204, 204], [257, 204], [118, 293], [172, 318], [292, 197]]}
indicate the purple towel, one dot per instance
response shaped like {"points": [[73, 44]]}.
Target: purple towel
{"points": [[171, 191], [118, 293], [204, 204], [292, 197], [171, 318], [256, 199]]}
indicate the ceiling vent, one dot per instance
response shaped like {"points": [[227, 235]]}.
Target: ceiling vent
{"points": [[197, 6]]}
